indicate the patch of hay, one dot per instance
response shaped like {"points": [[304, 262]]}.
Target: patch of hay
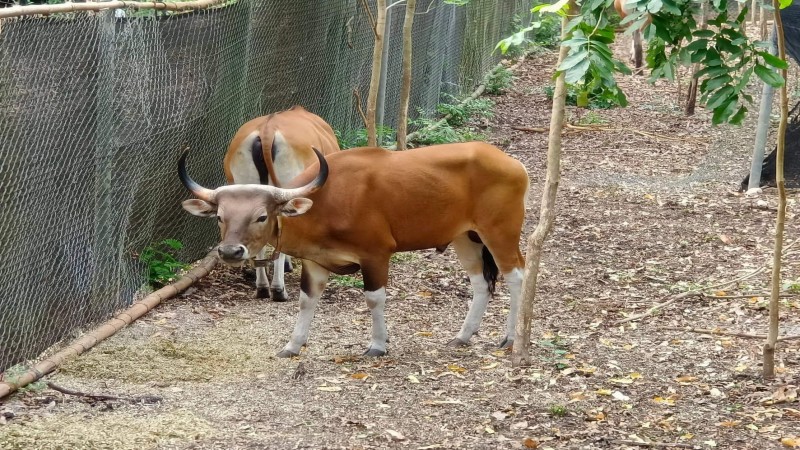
{"points": [[113, 430], [222, 351]]}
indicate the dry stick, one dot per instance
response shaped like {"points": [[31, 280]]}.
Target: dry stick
{"points": [[19, 11], [757, 294], [774, 305], [652, 444], [117, 323], [697, 292], [728, 333], [570, 126], [370, 16], [102, 397], [358, 106]]}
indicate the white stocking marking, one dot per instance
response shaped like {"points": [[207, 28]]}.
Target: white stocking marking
{"points": [[300, 334], [514, 282], [261, 272], [480, 299], [376, 300], [277, 272]]}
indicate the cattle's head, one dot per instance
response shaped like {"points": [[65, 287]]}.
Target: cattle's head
{"points": [[246, 212]]}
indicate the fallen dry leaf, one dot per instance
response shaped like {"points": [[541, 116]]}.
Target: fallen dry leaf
{"points": [[424, 333], [790, 442], [456, 368], [530, 443], [396, 436], [603, 392], [413, 379], [686, 379], [730, 423], [329, 388], [359, 375]]}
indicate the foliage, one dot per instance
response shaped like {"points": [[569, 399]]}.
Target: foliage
{"points": [[162, 265], [727, 57], [443, 134], [461, 112], [348, 281], [544, 30], [498, 81], [358, 138], [598, 99]]}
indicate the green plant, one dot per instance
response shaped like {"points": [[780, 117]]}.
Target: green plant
{"points": [[498, 80], [460, 111], [358, 138], [557, 410], [348, 281], [443, 134], [592, 118], [792, 286], [162, 265], [598, 99]]}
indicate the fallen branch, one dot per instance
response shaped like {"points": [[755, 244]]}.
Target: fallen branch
{"points": [[757, 294], [729, 333], [696, 292], [357, 98], [652, 444], [370, 16], [576, 128], [102, 397], [69, 7]]}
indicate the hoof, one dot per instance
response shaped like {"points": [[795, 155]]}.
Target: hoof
{"points": [[374, 352], [287, 266], [506, 343], [287, 354], [278, 295], [262, 292], [456, 343]]}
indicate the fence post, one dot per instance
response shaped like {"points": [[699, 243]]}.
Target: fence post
{"points": [[381, 105], [762, 128]]}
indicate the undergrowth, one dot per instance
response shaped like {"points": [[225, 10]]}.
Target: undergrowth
{"points": [[162, 264], [597, 99]]}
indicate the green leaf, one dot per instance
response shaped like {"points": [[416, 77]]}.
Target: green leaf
{"points": [[718, 82], [671, 7], [769, 76], [773, 60], [784, 3], [737, 118], [574, 59], [720, 97], [744, 80], [712, 71], [722, 112], [556, 7], [576, 74], [697, 45], [703, 34]]}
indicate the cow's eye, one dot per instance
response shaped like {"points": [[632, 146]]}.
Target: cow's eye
{"points": [[261, 219]]}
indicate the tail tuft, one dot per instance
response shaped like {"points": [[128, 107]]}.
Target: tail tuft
{"points": [[490, 270]]}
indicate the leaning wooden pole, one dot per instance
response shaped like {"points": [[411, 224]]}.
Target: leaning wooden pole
{"points": [[774, 303], [69, 7], [405, 88], [109, 328], [547, 214], [374, 82]]}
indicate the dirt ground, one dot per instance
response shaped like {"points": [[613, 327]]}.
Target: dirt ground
{"points": [[647, 208]]}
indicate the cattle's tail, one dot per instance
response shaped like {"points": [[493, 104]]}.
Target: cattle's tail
{"points": [[490, 269]]}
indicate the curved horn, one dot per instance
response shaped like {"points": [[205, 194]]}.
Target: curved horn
{"points": [[284, 195], [198, 191]]}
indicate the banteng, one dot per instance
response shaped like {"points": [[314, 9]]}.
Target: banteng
{"points": [[375, 203], [273, 150]]}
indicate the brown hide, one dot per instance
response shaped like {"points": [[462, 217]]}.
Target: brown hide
{"points": [[377, 202], [301, 130]]}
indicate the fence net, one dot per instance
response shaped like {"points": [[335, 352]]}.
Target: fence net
{"points": [[95, 108]]}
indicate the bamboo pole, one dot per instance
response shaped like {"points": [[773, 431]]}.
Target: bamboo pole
{"points": [[113, 325], [19, 11]]}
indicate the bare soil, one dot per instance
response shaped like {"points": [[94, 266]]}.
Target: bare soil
{"points": [[646, 209]]}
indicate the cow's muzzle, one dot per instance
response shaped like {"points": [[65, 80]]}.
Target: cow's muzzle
{"points": [[233, 254]]}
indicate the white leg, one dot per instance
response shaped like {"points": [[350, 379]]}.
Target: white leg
{"points": [[376, 300], [514, 282], [480, 299], [262, 282], [278, 289], [312, 283]]}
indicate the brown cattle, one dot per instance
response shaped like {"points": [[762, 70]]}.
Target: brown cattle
{"points": [[273, 150], [624, 8], [375, 203]]}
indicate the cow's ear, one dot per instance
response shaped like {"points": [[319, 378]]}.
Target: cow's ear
{"points": [[200, 207], [296, 206]]}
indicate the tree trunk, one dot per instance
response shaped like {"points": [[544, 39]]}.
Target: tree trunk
{"points": [[691, 96], [374, 82], [762, 126], [774, 316], [405, 88], [522, 340], [753, 11]]}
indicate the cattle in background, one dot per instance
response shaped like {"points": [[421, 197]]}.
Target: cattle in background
{"points": [[273, 150], [624, 8], [375, 203]]}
